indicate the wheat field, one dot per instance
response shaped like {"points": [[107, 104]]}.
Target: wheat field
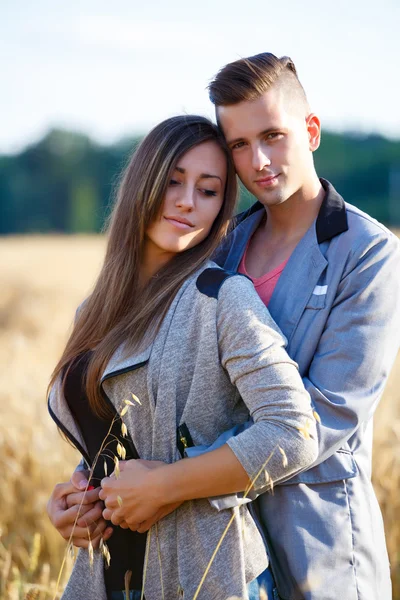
{"points": [[43, 279]]}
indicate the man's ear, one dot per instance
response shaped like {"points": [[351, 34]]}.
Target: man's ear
{"points": [[314, 131]]}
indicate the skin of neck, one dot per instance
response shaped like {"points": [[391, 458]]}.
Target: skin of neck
{"points": [[152, 261], [292, 218]]}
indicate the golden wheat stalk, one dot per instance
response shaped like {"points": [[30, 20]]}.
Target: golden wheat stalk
{"points": [[146, 561], [249, 487], [159, 561], [127, 581], [305, 432]]}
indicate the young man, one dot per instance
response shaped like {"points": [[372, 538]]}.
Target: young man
{"points": [[329, 274]]}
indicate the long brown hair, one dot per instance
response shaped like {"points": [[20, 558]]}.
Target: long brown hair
{"points": [[119, 310]]}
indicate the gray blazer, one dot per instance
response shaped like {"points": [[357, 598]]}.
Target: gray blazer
{"points": [[338, 303], [217, 358]]}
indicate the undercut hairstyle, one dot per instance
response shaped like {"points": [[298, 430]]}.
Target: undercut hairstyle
{"points": [[249, 78]]}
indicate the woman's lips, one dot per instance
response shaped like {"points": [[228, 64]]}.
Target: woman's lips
{"points": [[179, 224]]}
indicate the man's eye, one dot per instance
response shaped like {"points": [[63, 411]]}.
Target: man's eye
{"points": [[237, 145], [273, 136]]}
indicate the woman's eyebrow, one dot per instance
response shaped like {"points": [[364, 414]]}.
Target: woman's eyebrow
{"points": [[202, 176], [208, 176]]}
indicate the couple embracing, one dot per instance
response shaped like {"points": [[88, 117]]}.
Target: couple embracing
{"points": [[233, 363]]}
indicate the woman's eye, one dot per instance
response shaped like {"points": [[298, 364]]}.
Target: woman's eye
{"points": [[173, 182], [209, 192]]}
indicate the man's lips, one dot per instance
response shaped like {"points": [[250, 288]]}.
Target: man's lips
{"points": [[179, 222], [267, 181]]}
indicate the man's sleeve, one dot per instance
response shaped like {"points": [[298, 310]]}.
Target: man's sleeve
{"points": [[359, 344], [357, 349]]}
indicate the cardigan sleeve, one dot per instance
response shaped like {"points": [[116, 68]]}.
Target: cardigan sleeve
{"points": [[282, 440]]}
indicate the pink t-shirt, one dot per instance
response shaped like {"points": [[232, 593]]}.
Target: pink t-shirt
{"points": [[264, 285]]}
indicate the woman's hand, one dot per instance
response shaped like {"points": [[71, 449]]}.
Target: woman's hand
{"points": [[134, 499], [64, 505]]}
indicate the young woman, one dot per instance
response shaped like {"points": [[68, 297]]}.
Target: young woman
{"points": [[182, 351]]}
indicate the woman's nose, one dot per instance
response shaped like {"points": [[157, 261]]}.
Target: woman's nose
{"points": [[185, 198]]}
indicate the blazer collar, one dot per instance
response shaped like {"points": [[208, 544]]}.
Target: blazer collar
{"points": [[331, 219], [332, 216], [122, 361], [296, 283]]}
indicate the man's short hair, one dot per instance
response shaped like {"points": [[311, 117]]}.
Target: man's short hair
{"points": [[249, 78]]}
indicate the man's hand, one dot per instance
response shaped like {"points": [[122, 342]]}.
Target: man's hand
{"points": [[131, 499], [148, 523], [74, 521]]}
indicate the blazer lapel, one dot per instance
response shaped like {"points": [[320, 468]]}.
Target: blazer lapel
{"points": [[297, 283], [121, 362], [301, 278], [238, 239]]}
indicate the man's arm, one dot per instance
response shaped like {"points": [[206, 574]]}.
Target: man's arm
{"points": [[357, 349], [281, 441], [355, 353]]}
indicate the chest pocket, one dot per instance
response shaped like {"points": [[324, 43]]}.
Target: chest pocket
{"points": [[317, 299]]}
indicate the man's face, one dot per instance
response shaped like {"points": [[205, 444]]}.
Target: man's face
{"points": [[271, 145]]}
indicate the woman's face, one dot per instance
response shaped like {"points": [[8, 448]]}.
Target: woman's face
{"points": [[192, 202]]}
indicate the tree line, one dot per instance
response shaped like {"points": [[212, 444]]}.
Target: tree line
{"points": [[65, 183]]}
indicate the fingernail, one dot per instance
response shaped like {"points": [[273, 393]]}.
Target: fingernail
{"points": [[109, 531], [82, 484]]}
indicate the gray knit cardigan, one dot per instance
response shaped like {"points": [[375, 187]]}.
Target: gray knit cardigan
{"points": [[217, 357]]}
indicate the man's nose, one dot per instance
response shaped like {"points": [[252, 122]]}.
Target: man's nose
{"points": [[260, 159]]}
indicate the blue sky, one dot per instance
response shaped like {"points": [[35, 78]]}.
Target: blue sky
{"points": [[114, 69]]}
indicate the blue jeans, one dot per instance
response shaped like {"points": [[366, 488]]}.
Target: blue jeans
{"points": [[263, 582]]}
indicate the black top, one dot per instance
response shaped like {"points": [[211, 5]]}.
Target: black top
{"points": [[127, 548]]}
